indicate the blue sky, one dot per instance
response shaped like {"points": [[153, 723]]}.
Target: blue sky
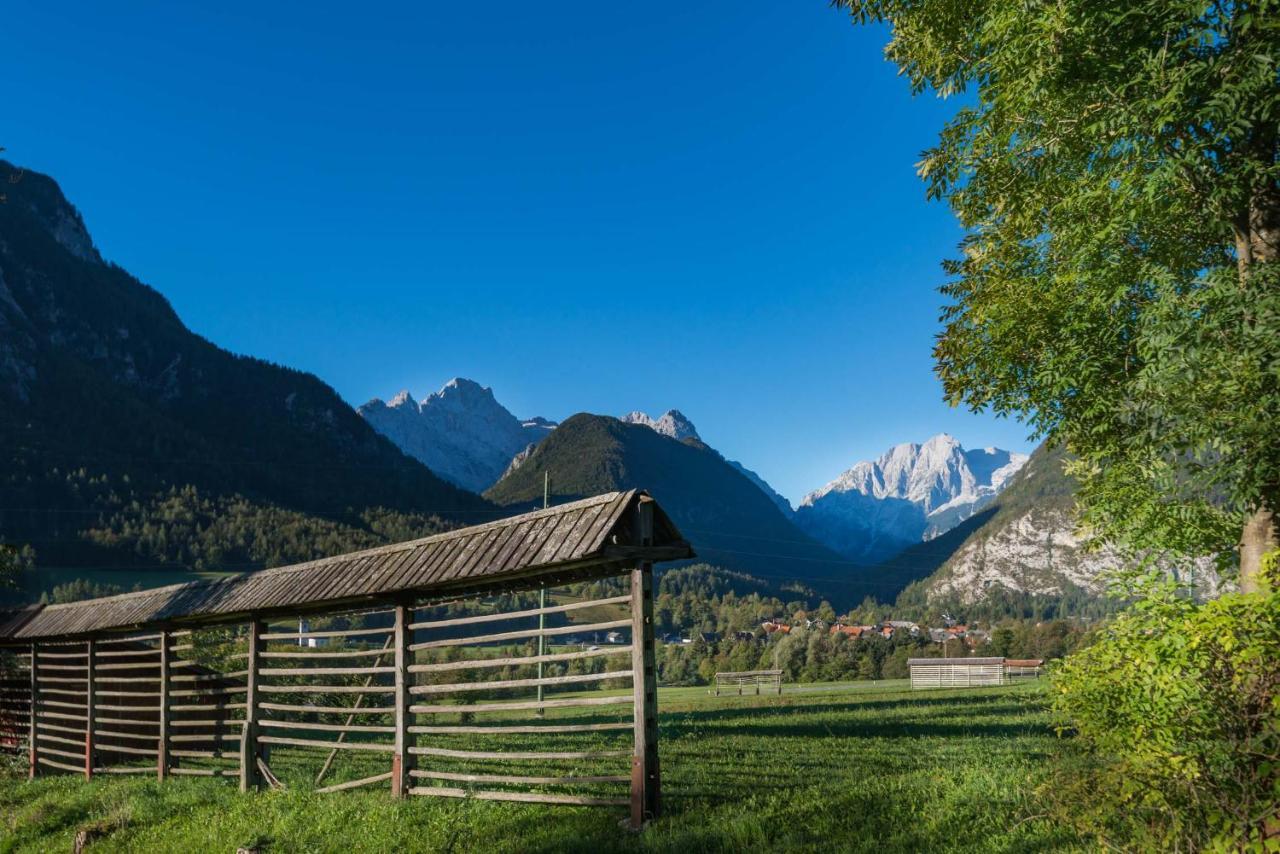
{"points": [[710, 206]]}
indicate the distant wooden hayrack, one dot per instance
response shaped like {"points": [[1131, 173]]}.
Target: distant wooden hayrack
{"points": [[208, 678], [771, 679]]}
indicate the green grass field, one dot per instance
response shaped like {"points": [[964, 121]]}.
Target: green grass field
{"points": [[835, 767]]}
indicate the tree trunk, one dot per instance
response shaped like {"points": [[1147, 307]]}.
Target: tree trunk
{"points": [[1260, 536]]}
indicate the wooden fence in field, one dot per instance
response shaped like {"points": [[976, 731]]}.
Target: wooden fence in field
{"points": [[425, 668], [771, 679]]}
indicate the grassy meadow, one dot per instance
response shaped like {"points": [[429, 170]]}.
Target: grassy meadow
{"points": [[843, 767]]}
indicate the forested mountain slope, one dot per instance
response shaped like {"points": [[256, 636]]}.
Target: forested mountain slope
{"points": [[127, 440]]}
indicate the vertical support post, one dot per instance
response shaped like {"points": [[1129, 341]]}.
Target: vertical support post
{"points": [[401, 759], [542, 642], [162, 752], [645, 779], [249, 775], [33, 752], [90, 700]]}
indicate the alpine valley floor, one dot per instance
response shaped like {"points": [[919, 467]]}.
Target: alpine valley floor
{"points": [[837, 767]]}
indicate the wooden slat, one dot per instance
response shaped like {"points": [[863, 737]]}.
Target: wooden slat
{"points": [[523, 633], [61, 766], [348, 653], [329, 710], [326, 689], [517, 661], [571, 679], [202, 772], [516, 615], [122, 769], [354, 784], [526, 729], [516, 779], [517, 754], [343, 633], [522, 705], [529, 797], [343, 745], [325, 671], [267, 723]]}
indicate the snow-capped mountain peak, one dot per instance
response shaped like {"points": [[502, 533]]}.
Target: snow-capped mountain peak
{"points": [[673, 423], [460, 432], [910, 492]]}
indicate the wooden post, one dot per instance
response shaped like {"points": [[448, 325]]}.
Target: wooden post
{"points": [[645, 778], [90, 651], [162, 752], [33, 754], [401, 760], [249, 775]]}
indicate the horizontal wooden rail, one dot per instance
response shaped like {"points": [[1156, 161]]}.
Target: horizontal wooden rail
{"points": [[524, 729], [571, 679], [354, 784], [44, 760], [267, 723], [326, 689], [517, 754], [205, 707], [135, 639], [109, 708], [522, 705], [516, 661], [206, 736], [57, 739], [204, 772], [136, 736], [65, 753], [132, 665], [42, 726], [519, 779], [59, 716], [329, 710], [324, 671], [44, 655], [342, 653], [124, 769], [123, 653], [119, 748], [339, 745], [517, 615], [337, 633], [522, 633], [529, 797]]}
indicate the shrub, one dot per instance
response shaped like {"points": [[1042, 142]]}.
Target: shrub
{"points": [[1179, 702]]}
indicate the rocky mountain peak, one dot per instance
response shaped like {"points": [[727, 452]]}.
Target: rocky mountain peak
{"points": [[672, 423]]}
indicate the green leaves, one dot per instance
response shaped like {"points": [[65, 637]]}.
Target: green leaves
{"points": [[1113, 157]]}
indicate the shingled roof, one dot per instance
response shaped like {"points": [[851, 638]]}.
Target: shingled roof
{"points": [[592, 537]]}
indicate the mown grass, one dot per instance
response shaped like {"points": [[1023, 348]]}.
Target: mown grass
{"points": [[847, 768]]}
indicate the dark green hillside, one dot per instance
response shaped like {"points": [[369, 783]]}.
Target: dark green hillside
{"points": [[121, 431], [729, 520]]}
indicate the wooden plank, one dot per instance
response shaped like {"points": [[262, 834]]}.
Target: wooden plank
{"points": [[645, 779], [528, 729], [267, 723], [523, 633], [528, 797], [61, 766], [514, 779], [571, 679], [355, 784], [517, 754], [522, 705], [202, 772], [343, 633], [162, 737], [517, 661], [350, 653], [249, 733], [325, 671], [57, 739], [343, 745], [135, 751], [326, 689], [400, 758], [330, 710], [516, 615], [103, 769]]}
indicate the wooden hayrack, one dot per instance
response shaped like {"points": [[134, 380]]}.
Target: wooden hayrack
{"points": [[769, 678], [226, 678]]}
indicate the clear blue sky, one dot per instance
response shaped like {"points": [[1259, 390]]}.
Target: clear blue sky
{"points": [[710, 206]]}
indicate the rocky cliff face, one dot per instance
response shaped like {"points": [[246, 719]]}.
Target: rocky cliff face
{"points": [[912, 492], [461, 432], [1027, 542]]}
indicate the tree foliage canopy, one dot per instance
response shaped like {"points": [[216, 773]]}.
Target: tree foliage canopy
{"points": [[1115, 168]]}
